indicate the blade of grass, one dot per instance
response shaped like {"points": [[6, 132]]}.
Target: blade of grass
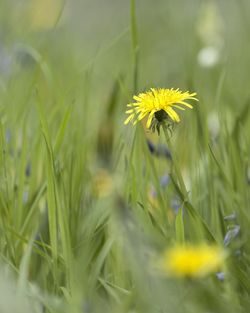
{"points": [[135, 46], [51, 188], [179, 227]]}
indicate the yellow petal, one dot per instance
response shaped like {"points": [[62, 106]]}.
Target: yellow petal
{"points": [[186, 104], [129, 119], [178, 107], [150, 117], [173, 115]]}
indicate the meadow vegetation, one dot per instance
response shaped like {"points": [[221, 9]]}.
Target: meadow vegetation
{"points": [[92, 208]]}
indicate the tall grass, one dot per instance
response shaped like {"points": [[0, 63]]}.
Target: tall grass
{"points": [[85, 212]]}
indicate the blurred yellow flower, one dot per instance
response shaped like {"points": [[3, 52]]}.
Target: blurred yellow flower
{"points": [[192, 261], [158, 104], [103, 183], [44, 14]]}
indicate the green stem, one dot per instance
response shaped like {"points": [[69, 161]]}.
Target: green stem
{"points": [[174, 166], [180, 187], [135, 46]]}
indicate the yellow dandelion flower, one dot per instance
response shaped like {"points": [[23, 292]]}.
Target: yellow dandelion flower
{"points": [[158, 104], [192, 261]]}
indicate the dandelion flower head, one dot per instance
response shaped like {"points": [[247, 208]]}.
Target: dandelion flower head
{"points": [[192, 261], [159, 104]]}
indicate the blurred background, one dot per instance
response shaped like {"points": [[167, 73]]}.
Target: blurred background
{"points": [[201, 44], [176, 40], [67, 162]]}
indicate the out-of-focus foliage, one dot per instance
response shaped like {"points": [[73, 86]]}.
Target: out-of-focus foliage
{"points": [[88, 205]]}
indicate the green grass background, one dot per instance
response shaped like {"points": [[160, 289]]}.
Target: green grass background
{"points": [[64, 247]]}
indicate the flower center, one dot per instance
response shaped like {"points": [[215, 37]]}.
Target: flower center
{"points": [[161, 115]]}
